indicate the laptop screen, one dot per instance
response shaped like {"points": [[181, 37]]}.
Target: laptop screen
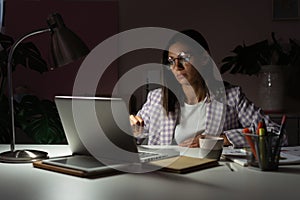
{"points": [[97, 126]]}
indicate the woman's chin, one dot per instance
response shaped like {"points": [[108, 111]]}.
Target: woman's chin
{"points": [[183, 82]]}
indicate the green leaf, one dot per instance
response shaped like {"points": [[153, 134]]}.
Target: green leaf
{"points": [[40, 120]]}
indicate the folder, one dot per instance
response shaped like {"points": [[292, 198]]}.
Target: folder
{"points": [[184, 164]]}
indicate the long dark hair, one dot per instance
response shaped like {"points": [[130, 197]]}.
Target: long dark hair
{"points": [[172, 90]]}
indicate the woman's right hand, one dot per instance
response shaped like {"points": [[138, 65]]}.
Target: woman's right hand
{"points": [[137, 124]]}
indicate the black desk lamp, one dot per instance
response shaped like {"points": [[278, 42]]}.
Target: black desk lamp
{"points": [[65, 48]]}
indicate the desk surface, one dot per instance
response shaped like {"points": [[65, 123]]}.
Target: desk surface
{"points": [[22, 181]]}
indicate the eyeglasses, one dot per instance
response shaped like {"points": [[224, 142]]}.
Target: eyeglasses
{"points": [[183, 58]]}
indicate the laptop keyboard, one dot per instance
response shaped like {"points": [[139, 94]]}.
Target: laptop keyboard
{"points": [[143, 154]]}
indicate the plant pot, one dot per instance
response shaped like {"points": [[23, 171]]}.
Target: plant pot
{"points": [[272, 88]]}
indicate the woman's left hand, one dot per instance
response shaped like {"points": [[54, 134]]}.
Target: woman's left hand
{"points": [[194, 142], [191, 142]]}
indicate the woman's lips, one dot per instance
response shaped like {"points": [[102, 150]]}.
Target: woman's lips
{"points": [[180, 76]]}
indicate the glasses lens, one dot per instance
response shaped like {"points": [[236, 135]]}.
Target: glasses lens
{"points": [[171, 61], [182, 58]]}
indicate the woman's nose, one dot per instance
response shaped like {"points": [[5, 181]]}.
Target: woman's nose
{"points": [[178, 65]]}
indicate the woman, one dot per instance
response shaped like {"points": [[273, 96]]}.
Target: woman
{"points": [[192, 102]]}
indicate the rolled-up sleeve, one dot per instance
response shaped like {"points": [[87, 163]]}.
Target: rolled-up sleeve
{"points": [[242, 113]]}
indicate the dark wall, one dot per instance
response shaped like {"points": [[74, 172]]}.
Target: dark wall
{"points": [[93, 21]]}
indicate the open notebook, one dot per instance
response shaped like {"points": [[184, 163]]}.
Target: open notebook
{"points": [[106, 133]]}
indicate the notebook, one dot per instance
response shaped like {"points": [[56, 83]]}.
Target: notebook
{"points": [[185, 164], [105, 139]]}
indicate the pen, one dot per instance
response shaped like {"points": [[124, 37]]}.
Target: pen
{"points": [[282, 126], [264, 126], [250, 142], [240, 161], [230, 166]]}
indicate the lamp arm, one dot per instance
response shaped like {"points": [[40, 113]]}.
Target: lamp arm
{"points": [[9, 79]]}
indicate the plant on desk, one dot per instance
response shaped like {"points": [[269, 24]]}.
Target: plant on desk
{"points": [[37, 118]]}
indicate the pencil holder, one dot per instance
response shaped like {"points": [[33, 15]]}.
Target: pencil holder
{"points": [[265, 152]]}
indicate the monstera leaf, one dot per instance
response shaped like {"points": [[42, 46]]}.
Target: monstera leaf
{"points": [[26, 54], [39, 119]]}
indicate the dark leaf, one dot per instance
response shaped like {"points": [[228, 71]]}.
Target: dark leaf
{"points": [[6, 41], [40, 120], [236, 69], [254, 69], [228, 59], [294, 53], [238, 49], [28, 55], [225, 67]]}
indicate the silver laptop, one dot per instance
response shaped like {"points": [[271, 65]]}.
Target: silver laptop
{"points": [[99, 134]]}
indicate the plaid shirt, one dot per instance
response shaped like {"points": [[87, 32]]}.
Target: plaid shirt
{"points": [[240, 112]]}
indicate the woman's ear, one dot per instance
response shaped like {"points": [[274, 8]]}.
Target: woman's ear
{"points": [[201, 60], [204, 58]]}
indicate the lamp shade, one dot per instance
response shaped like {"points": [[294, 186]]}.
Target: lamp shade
{"points": [[66, 46]]}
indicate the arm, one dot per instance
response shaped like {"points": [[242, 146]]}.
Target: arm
{"points": [[243, 113], [140, 122]]}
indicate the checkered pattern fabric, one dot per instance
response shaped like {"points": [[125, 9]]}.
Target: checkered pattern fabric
{"points": [[239, 113]]}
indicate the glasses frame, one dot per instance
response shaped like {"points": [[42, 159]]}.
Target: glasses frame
{"points": [[183, 59]]}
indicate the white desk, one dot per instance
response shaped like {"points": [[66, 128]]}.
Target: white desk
{"points": [[23, 182]]}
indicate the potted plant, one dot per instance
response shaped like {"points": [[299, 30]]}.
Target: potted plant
{"points": [[37, 118], [271, 62], [249, 59]]}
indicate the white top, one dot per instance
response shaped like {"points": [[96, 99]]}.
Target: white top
{"points": [[192, 121]]}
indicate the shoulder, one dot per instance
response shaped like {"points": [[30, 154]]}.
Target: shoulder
{"points": [[234, 93], [224, 90], [232, 89], [156, 93], [155, 96]]}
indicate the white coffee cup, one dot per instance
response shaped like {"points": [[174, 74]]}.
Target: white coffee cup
{"points": [[210, 146]]}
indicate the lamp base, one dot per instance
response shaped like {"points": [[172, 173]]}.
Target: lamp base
{"points": [[22, 156]]}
